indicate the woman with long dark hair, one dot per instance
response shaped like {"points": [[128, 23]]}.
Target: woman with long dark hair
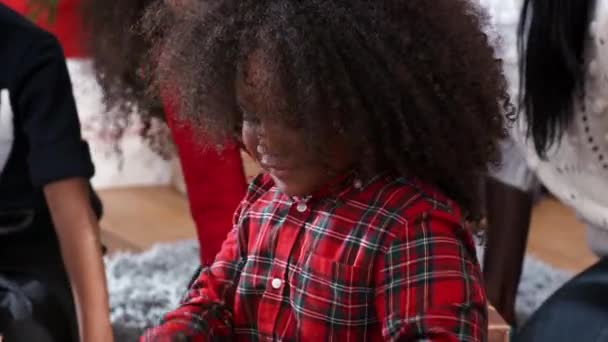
{"points": [[562, 142]]}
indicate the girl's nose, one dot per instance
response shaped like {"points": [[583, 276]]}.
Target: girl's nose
{"points": [[271, 138]]}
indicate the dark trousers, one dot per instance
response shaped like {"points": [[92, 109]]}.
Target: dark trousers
{"points": [[576, 312], [35, 297]]}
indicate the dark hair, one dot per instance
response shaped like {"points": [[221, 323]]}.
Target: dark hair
{"points": [[119, 53], [413, 85], [551, 37]]}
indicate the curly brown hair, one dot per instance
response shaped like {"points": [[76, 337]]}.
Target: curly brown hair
{"points": [[119, 53], [412, 85]]}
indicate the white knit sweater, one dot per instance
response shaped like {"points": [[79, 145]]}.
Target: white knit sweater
{"points": [[576, 170]]}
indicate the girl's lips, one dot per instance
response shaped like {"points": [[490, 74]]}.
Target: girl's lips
{"points": [[278, 168], [279, 172]]}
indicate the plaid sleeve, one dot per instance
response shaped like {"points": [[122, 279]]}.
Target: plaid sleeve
{"points": [[206, 311], [429, 285]]}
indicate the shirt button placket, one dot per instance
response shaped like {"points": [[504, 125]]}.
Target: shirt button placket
{"points": [[277, 284]]}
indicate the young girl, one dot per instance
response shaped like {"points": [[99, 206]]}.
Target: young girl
{"points": [[215, 181], [560, 142], [372, 121]]}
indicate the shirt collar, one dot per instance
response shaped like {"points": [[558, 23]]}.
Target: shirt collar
{"points": [[340, 186]]}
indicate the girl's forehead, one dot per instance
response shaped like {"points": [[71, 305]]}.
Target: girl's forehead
{"points": [[258, 88]]}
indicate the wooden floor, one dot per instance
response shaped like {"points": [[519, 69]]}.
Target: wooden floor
{"points": [[136, 218], [558, 238]]}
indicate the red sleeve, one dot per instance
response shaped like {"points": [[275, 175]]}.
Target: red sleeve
{"points": [[215, 183], [206, 312]]}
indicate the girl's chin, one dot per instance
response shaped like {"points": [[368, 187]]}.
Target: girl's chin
{"points": [[282, 185], [288, 188], [280, 173]]}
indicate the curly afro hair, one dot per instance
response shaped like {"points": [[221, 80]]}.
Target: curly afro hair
{"points": [[413, 85], [119, 53]]}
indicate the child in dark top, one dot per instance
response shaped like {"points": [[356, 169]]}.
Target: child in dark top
{"points": [[372, 120], [51, 269]]}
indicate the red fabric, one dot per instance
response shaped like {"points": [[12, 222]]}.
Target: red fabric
{"points": [[66, 27], [215, 181], [384, 260]]}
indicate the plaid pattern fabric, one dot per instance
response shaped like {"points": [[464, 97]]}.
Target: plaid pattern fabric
{"points": [[387, 260]]}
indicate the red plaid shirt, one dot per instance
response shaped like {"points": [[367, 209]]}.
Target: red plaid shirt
{"points": [[386, 260]]}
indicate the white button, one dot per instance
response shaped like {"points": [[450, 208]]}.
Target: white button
{"points": [[358, 184], [276, 283], [302, 207]]}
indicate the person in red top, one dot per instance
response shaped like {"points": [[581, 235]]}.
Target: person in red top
{"points": [[215, 180], [215, 183], [371, 121]]}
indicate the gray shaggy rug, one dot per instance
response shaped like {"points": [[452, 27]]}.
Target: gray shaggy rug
{"points": [[144, 286]]}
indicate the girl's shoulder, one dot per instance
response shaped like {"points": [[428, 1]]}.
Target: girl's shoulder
{"points": [[410, 197]]}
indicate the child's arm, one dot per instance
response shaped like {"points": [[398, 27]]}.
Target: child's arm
{"points": [[78, 232], [59, 163], [206, 312], [509, 211], [428, 283], [509, 204]]}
